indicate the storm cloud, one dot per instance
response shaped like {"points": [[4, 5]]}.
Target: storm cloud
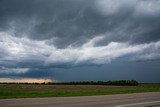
{"points": [[37, 35]]}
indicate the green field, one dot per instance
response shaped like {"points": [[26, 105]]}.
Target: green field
{"points": [[34, 91]]}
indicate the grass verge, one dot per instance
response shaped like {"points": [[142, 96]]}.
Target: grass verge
{"points": [[63, 93]]}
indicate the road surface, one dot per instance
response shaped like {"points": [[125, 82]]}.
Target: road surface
{"points": [[121, 100]]}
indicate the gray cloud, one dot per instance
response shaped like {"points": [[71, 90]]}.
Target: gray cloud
{"points": [[73, 22], [49, 34]]}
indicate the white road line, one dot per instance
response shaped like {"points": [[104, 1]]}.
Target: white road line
{"points": [[134, 104]]}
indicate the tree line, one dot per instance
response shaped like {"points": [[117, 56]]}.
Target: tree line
{"points": [[119, 82]]}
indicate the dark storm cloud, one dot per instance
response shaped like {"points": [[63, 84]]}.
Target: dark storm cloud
{"points": [[73, 22], [46, 19], [30, 73]]}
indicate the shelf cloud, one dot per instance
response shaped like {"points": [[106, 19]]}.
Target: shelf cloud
{"points": [[26, 51]]}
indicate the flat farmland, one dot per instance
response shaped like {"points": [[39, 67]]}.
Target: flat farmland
{"points": [[42, 90]]}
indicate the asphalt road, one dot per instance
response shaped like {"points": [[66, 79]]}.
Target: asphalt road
{"points": [[121, 100]]}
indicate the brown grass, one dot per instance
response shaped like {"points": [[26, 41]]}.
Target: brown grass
{"points": [[50, 88]]}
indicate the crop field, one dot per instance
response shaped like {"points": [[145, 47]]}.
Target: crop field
{"points": [[42, 90]]}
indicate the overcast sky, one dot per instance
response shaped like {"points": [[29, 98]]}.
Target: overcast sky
{"points": [[80, 40]]}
